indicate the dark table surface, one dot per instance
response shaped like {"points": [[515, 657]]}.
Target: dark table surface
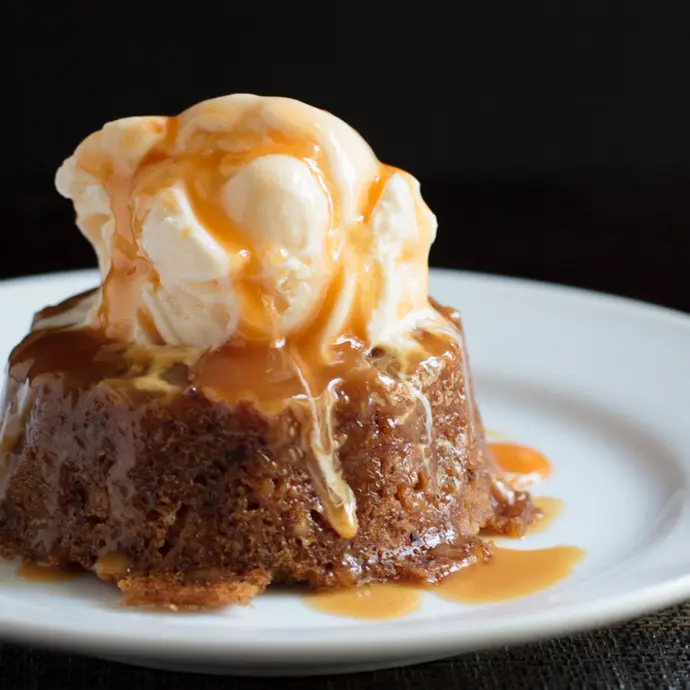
{"points": [[625, 236]]}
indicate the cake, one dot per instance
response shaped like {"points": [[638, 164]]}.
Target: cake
{"points": [[260, 390]]}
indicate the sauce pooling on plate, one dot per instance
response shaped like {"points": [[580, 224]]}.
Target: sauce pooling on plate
{"points": [[380, 601], [549, 509], [523, 466], [508, 574], [42, 573]]}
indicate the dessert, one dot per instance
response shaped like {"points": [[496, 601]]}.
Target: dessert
{"points": [[260, 390]]}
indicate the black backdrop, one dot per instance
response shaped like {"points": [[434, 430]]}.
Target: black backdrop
{"points": [[554, 146]]}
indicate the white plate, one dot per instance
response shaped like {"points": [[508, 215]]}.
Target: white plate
{"points": [[599, 384]]}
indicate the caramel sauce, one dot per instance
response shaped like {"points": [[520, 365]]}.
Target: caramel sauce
{"points": [[275, 376], [75, 360], [272, 375], [129, 268], [549, 509], [111, 565], [77, 357], [382, 601], [42, 573], [522, 466], [509, 574]]}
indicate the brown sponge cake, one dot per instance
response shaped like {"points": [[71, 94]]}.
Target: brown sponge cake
{"points": [[145, 474]]}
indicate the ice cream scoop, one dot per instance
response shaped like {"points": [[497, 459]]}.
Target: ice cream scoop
{"points": [[248, 217]]}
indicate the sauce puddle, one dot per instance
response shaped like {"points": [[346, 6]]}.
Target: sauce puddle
{"points": [[42, 573], [522, 466], [509, 574], [380, 601], [111, 566], [550, 508]]}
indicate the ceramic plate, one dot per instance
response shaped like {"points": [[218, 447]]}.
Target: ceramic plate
{"points": [[601, 385]]}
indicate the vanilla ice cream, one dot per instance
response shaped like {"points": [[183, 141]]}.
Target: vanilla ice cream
{"points": [[250, 217]]}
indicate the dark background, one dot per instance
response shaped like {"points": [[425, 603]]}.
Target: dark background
{"points": [[554, 146]]}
